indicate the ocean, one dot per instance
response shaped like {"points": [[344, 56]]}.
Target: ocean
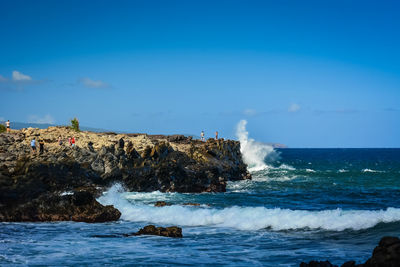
{"points": [[302, 205]]}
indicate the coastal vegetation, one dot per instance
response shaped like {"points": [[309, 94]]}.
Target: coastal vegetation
{"points": [[75, 124]]}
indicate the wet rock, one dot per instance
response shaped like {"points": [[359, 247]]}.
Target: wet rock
{"points": [[172, 231], [161, 204], [386, 254], [80, 207]]}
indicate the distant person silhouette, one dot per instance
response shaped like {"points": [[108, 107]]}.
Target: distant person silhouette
{"points": [[73, 141], [8, 126], [216, 135], [41, 146], [33, 145], [202, 136]]}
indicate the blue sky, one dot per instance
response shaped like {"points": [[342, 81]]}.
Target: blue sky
{"points": [[302, 73]]}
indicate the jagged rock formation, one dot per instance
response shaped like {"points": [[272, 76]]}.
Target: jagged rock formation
{"points": [[386, 254], [141, 162]]}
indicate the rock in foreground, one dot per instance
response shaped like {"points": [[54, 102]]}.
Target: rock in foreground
{"points": [[78, 207], [386, 254]]}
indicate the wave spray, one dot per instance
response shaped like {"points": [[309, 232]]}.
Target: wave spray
{"points": [[254, 153]]}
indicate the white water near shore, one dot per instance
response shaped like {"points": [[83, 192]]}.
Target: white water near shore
{"points": [[245, 218]]}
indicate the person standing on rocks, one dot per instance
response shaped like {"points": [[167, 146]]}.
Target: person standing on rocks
{"points": [[216, 135], [73, 141], [69, 141], [33, 145], [60, 142], [8, 126], [41, 146], [202, 136]]}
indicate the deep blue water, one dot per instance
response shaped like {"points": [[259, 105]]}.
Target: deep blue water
{"points": [[325, 204]]}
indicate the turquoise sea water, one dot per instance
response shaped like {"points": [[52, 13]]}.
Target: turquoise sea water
{"points": [[305, 204]]}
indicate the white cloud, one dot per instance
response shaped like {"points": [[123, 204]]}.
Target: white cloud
{"points": [[18, 76], [92, 83], [3, 79], [294, 108], [249, 112], [37, 119]]}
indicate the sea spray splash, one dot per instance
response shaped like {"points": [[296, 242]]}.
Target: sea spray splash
{"points": [[247, 218], [254, 153]]}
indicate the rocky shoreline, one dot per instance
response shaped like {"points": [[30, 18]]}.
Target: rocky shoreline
{"points": [[61, 183]]}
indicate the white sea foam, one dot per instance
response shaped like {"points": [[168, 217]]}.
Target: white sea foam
{"points": [[343, 170], [369, 170], [254, 153], [310, 170], [248, 218], [286, 167]]}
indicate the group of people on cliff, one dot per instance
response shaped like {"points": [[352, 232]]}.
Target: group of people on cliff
{"points": [[71, 142], [41, 145], [204, 139]]}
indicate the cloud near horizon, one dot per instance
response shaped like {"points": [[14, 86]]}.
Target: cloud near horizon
{"points": [[18, 81], [294, 107], [89, 83], [45, 119], [20, 77], [249, 112]]}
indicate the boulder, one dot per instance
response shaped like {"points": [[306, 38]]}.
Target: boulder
{"points": [[386, 254], [172, 231], [79, 207]]}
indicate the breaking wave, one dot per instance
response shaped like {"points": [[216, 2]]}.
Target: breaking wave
{"points": [[254, 153], [248, 218]]}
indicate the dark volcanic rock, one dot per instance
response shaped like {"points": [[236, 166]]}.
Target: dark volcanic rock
{"points": [[386, 254], [79, 207], [172, 231]]}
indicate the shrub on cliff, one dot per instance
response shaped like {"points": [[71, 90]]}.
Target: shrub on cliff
{"points": [[2, 128], [75, 124]]}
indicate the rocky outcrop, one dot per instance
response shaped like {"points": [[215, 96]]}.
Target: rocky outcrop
{"points": [[140, 162], [79, 207], [172, 231], [386, 254]]}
